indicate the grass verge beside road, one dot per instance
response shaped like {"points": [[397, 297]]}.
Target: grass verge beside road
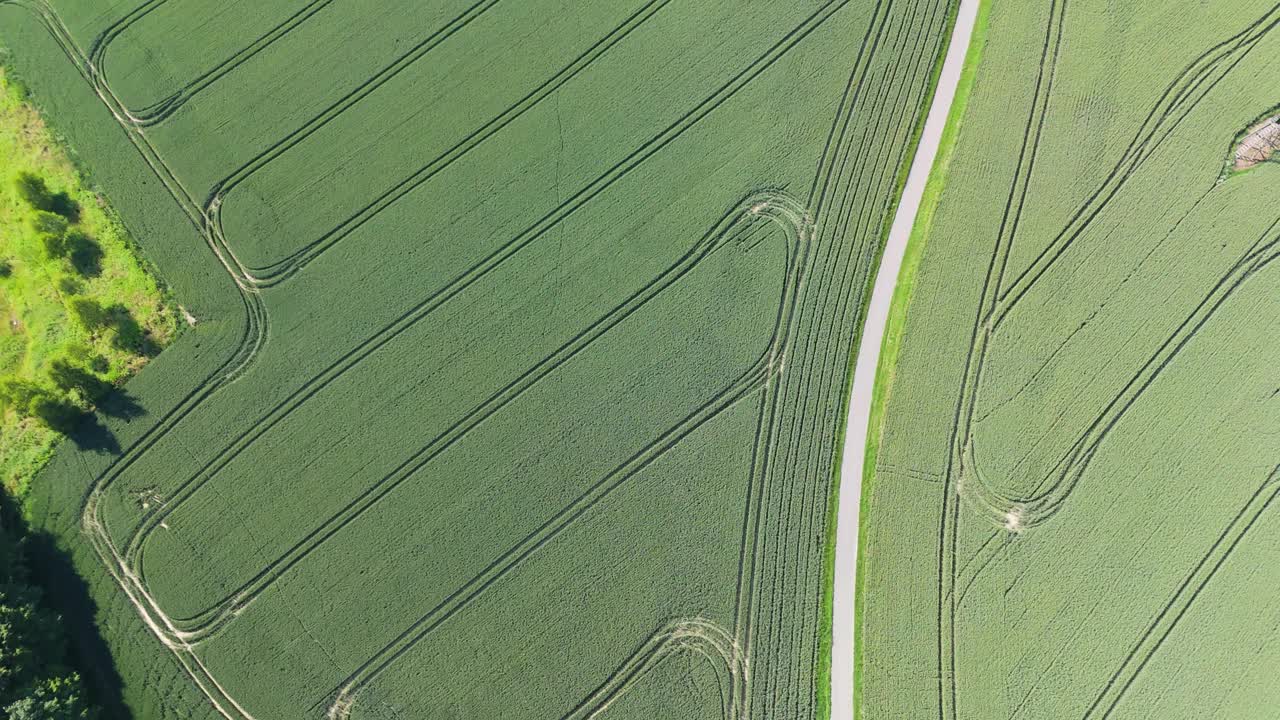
{"points": [[902, 300]]}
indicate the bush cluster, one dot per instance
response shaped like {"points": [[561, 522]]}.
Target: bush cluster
{"points": [[72, 386], [54, 222]]}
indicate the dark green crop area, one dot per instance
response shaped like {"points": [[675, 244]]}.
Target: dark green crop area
{"points": [[1073, 513], [523, 331]]}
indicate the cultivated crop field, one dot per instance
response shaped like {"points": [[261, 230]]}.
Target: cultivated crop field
{"points": [[521, 337], [1072, 513]]}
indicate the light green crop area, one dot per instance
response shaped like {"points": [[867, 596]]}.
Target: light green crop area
{"points": [[1072, 513], [34, 327], [522, 335]]}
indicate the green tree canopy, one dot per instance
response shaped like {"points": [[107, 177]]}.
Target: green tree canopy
{"points": [[70, 377], [33, 190], [58, 698], [88, 313], [47, 223]]}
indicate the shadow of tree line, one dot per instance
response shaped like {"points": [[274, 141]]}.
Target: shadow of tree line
{"points": [[63, 592]]}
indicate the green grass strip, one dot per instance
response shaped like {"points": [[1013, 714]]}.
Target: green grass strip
{"points": [[894, 327]]}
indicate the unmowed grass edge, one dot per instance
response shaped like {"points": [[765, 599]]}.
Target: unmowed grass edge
{"points": [[893, 333]]}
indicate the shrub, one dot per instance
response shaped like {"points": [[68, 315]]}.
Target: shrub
{"points": [[17, 393], [83, 251], [47, 223], [33, 190], [53, 246], [68, 284], [87, 313], [70, 377], [6, 269], [129, 335]]}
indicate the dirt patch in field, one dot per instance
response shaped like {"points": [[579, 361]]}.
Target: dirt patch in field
{"points": [[1259, 144]]}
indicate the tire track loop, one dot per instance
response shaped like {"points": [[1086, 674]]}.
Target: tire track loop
{"points": [[287, 267], [1043, 504], [531, 234], [165, 108], [699, 635], [213, 225], [775, 208], [1188, 96], [1179, 99], [204, 625], [949, 516], [98, 47], [156, 515]]}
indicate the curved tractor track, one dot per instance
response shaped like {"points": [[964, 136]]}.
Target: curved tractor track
{"points": [[841, 175], [163, 109], [738, 228], [965, 484], [698, 635], [775, 208]]}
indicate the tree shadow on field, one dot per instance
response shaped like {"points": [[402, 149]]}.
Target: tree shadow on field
{"points": [[90, 434], [121, 405], [129, 335], [66, 593]]}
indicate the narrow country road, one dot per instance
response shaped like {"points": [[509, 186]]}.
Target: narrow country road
{"points": [[843, 650]]}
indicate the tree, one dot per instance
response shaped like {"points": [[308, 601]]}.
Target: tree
{"points": [[66, 206], [70, 377], [33, 190], [83, 251], [47, 223], [53, 246], [6, 269], [83, 355], [34, 682], [88, 313], [30, 639], [17, 393], [58, 698]]}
